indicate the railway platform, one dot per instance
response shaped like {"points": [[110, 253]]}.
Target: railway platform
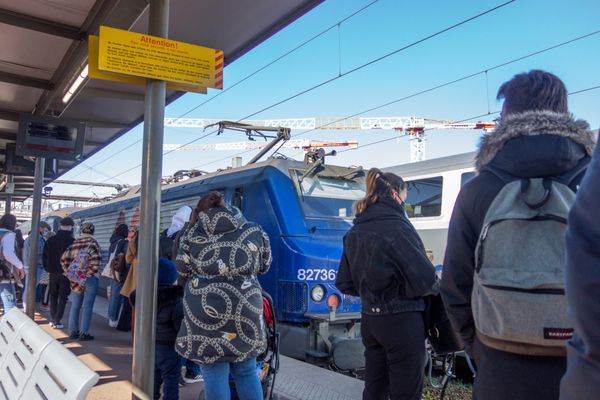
{"points": [[111, 354]]}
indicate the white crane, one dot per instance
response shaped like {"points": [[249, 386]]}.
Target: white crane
{"points": [[412, 126]]}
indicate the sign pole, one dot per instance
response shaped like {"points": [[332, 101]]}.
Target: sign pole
{"points": [[8, 204], [145, 310], [36, 209]]}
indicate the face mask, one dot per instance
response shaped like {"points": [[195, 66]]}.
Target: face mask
{"points": [[46, 234]]}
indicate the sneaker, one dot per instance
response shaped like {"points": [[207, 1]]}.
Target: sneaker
{"points": [[85, 337], [58, 326], [74, 335], [181, 382], [113, 323], [193, 379], [51, 324]]}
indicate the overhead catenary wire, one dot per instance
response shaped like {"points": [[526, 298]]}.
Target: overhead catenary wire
{"points": [[272, 62], [358, 68], [404, 98]]}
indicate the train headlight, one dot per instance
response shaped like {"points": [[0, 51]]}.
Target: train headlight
{"points": [[317, 293]]}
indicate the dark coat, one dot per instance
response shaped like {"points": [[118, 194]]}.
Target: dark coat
{"points": [[582, 380], [384, 262], [54, 249], [120, 241], [219, 258], [165, 245], [169, 312], [533, 144]]}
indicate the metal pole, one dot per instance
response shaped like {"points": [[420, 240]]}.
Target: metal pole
{"points": [[8, 204], [145, 309], [36, 209]]}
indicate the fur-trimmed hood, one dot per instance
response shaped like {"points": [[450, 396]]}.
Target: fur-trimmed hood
{"points": [[533, 123]]}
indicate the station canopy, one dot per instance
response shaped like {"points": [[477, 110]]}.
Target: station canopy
{"points": [[44, 50]]}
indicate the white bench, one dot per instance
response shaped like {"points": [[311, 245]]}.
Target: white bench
{"points": [[33, 365]]}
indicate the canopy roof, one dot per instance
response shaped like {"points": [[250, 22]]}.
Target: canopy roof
{"points": [[44, 49]]}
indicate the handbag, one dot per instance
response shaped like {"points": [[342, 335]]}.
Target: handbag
{"points": [[438, 329], [76, 271]]}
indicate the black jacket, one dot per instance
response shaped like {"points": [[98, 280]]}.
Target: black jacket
{"points": [[165, 246], [384, 262], [528, 145], [120, 241], [582, 380], [169, 312], [54, 249]]}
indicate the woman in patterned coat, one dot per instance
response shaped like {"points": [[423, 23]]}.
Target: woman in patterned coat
{"points": [[83, 297], [223, 329]]}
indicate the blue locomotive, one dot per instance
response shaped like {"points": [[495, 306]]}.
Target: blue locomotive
{"points": [[305, 208]]}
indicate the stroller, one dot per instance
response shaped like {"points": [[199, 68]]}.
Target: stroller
{"points": [[267, 364]]}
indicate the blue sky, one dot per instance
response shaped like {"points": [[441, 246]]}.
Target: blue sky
{"points": [[515, 30]]}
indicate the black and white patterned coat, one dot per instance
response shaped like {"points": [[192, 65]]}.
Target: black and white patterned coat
{"points": [[219, 259]]}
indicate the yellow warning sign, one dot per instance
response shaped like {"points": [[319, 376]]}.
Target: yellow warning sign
{"points": [[96, 73], [137, 54]]}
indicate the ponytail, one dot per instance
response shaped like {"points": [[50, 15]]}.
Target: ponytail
{"points": [[379, 184]]}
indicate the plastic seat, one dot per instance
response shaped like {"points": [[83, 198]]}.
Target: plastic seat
{"points": [[21, 358], [10, 324], [59, 375]]}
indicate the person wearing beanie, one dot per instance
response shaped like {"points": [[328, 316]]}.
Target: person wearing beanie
{"points": [[85, 251], [169, 314]]}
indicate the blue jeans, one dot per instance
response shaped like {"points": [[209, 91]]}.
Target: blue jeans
{"points": [[167, 370], [83, 302], [7, 293], [191, 368], [216, 380], [116, 300], [39, 289]]}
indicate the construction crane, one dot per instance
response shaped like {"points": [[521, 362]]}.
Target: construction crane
{"points": [[413, 126]]}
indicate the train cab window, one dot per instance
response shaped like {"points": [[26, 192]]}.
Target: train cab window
{"points": [[331, 192], [424, 197], [238, 198], [466, 177]]}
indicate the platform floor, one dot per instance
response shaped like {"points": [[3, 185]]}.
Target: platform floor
{"points": [[110, 355]]}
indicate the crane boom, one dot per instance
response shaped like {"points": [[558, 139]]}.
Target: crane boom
{"points": [[412, 126]]}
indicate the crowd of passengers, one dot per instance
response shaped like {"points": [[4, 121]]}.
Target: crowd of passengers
{"points": [[520, 280]]}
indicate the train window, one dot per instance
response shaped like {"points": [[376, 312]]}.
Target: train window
{"points": [[425, 197], [326, 194], [238, 198], [466, 177]]}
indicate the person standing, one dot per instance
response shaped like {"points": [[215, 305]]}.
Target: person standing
{"points": [[44, 228], [169, 314], [86, 251], [117, 248], [582, 380], [59, 287], [227, 280], [503, 275], [168, 248], [11, 268], [385, 263]]}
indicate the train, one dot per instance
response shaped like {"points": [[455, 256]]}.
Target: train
{"points": [[306, 209], [433, 186]]}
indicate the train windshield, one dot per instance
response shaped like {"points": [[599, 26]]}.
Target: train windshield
{"points": [[330, 191]]}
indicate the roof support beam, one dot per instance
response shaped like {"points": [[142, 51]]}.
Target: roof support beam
{"points": [[23, 80], [9, 115], [40, 25]]}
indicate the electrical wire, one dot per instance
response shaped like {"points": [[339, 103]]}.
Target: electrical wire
{"points": [[337, 24], [404, 98], [289, 52]]}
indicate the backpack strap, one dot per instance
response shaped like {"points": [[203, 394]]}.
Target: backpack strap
{"points": [[575, 175], [504, 176]]}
